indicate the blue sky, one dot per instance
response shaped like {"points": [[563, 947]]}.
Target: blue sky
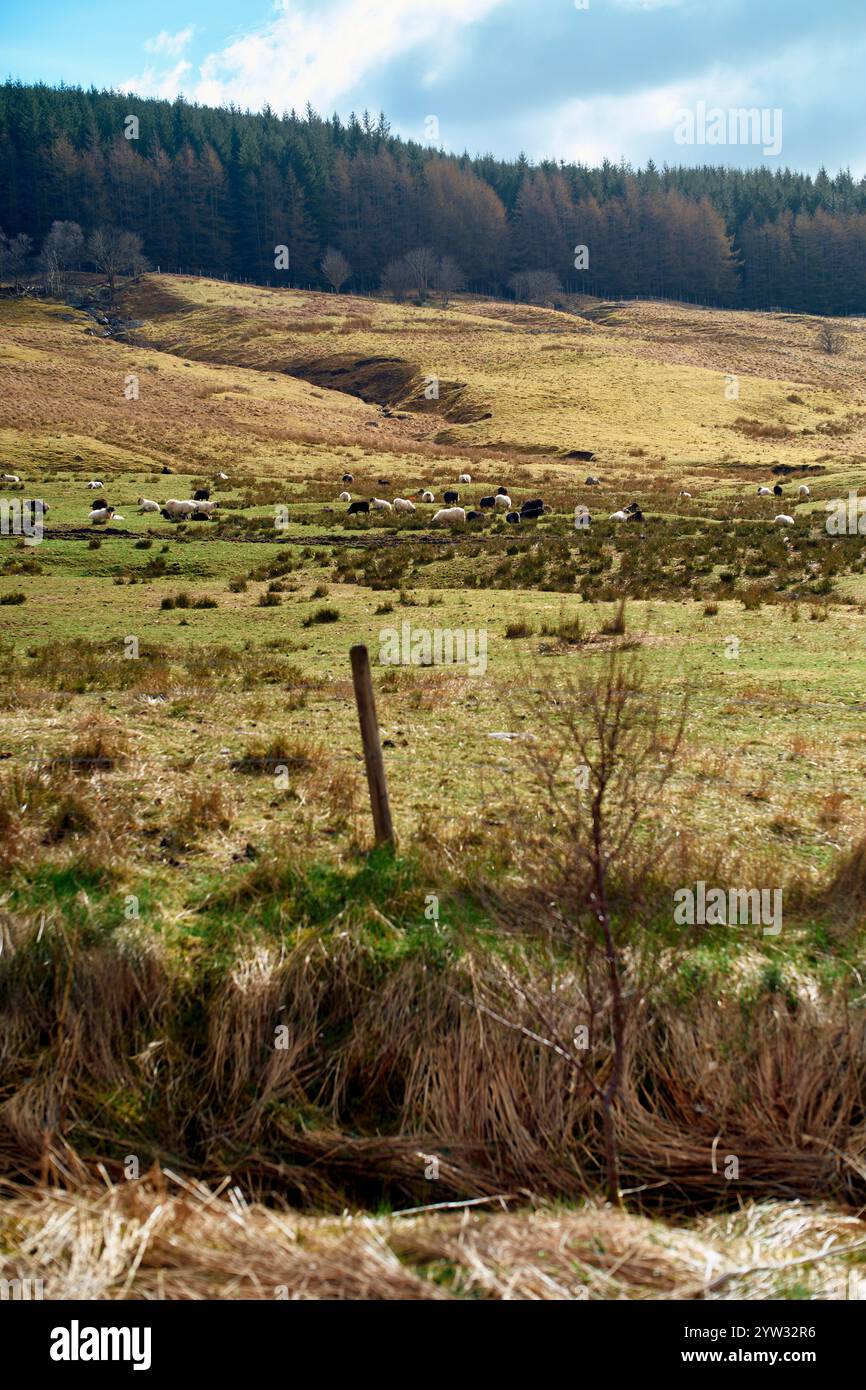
{"points": [[567, 79]]}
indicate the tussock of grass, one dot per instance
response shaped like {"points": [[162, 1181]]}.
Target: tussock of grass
{"points": [[174, 1239]]}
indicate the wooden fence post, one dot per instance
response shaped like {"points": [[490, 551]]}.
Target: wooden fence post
{"points": [[373, 759]]}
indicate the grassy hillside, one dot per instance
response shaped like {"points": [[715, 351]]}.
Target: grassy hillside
{"points": [[183, 819]]}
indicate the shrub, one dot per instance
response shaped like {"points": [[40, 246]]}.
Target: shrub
{"points": [[323, 615], [8, 599]]}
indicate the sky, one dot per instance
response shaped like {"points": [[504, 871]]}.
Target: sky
{"points": [[555, 79]]}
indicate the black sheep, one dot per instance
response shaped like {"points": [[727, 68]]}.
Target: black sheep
{"points": [[358, 507], [450, 497]]}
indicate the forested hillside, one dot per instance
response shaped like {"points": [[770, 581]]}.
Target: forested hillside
{"points": [[217, 190]]}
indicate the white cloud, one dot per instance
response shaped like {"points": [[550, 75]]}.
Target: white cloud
{"points": [[318, 53], [151, 83], [171, 45]]}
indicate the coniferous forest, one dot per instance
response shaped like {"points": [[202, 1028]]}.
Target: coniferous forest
{"points": [[217, 190]]}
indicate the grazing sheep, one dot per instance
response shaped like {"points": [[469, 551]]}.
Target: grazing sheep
{"points": [[380, 505], [345, 497], [174, 508], [502, 492], [804, 491], [591, 481], [427, 497], [532, 504], [204, 508], [98, 514], [473, 516], [619, 516], [764, 492], [11, 478], [222, 477], [777, 490], [633, 507], [201, 495], [502, 502], [347, 478], [465, 478], [146, 505], [636, 515], [530, 510], [513, 517], [451, 496], [783, 520], [384, 482], [94, 484], [358, 507], [487, 502], [200, 516], [402, 504], [450, 516], [685, 494]]}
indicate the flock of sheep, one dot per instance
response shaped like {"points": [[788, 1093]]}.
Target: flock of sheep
{"points": [[199, 507], [196, 508], [454, 515]]}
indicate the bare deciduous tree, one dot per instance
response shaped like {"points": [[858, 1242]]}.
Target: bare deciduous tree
{"points": [[535, 286], [115, 253], [62, 252], [449, 279], [15, 263], [603, 752], [336, 269], [422, 265], [396, 279], [830, 339]]}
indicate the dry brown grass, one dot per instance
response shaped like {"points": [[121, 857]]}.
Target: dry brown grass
{"points": [[169, 1238]]}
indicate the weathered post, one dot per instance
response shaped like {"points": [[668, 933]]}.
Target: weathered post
{"points": [[373, 759]]}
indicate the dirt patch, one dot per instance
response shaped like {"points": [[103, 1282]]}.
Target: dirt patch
{"points": [[391, 382]]}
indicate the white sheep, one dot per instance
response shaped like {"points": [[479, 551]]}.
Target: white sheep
{"points": [[765, 492], [402, 504], [465, 478], [145, 504], [450, 516], [345, 497], [204, 506], [619, 516], [94, 484], [685, 494], [502, 503], [427, 497], [783, 520], [804, 491], [176, 508], [101, 514], [11, 478], [380, 505], [222, 477]]}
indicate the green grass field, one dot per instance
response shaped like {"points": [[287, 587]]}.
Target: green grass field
{"points": [[182, 788]]}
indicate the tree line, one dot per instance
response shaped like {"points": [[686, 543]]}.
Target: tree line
{"points": [[307, 200]]}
